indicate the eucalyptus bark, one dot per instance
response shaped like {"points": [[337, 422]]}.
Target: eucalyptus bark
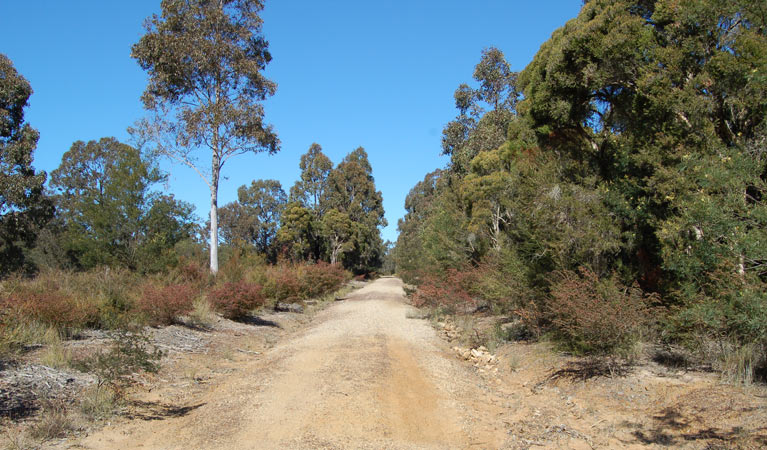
{"points": [[214, 214]]}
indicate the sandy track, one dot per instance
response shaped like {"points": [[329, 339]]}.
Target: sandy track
{"points": [[362, 375]]}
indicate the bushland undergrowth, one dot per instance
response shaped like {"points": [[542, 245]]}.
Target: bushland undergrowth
{"points": [[623, 169]]}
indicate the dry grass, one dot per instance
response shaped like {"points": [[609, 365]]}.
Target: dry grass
{"points": [[18, 336], [202, 314], [99, 402], [54, 422], [56, 355], [16, 437]]}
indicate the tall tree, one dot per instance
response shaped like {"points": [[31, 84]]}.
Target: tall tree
{"points": [[205, 61], [352, 191], [296, 234], [22, 204], [255, 216], [310, 189], [108, 209], [476, 128], [338, 231]]}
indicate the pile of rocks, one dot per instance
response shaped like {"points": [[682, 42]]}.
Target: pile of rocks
{"points": [[480, 356], [449, 331]]}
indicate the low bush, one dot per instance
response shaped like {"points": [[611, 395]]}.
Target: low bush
{"points": [[163, 305], [130, 352], [236, 300], [282, 283], [190, 272], [727, 326], [318, 279], [451, 290], [590, 315], [53, 308], [289, 283]]}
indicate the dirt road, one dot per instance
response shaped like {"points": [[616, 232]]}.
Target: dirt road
{"points": [[363, 375]]}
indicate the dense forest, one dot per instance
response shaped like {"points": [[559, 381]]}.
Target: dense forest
{"points": [[613, 191]]}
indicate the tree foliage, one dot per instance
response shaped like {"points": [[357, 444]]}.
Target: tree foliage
{"points": [[633, 146], [352, 191], [254, 218], [205, 61], [23, 207], [109, 213]]}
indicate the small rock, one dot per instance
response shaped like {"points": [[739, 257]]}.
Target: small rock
{"points": [[289, 307]]}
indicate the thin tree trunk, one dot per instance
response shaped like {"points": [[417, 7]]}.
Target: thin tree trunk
{"points": [[334, 251], [496, 237], [214, 214]]}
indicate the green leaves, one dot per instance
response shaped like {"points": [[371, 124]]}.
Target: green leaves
{"points": [[23, 208], [110, 214], [204, 61], [255, 216]]}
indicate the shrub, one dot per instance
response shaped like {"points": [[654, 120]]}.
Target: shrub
{"points": [[282, 283], [191, 272], [318, 279], [162, 305], [451, 290], [727, 326], [596, 316], [236, 300], [54, 309], [129, 353], [285, 282]]}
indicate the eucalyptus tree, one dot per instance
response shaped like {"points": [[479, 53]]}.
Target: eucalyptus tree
{"points": [[255, 216], [310, 189], [22, 204], [352, 192], [109, 212], [205, 61], [484, 114]]}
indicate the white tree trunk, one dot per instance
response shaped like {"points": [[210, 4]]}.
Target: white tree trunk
{"points": [[334, 250], [496, 229], [214, 216]]}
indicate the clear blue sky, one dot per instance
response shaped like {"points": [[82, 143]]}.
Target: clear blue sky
{"points": [[350, 73]]}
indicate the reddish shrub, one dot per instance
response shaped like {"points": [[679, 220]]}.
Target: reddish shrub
{"points": [[321, 278], [593, 315], [451, 290], [52, 308], [162, 305], [236, 300], [282, 283]]}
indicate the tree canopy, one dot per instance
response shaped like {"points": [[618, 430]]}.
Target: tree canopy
{"points": [[109, 211], [629, 152], [205, 62], [23, 207]]}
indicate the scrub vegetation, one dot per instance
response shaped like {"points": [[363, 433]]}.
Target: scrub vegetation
{"points": [[613, 191]]}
